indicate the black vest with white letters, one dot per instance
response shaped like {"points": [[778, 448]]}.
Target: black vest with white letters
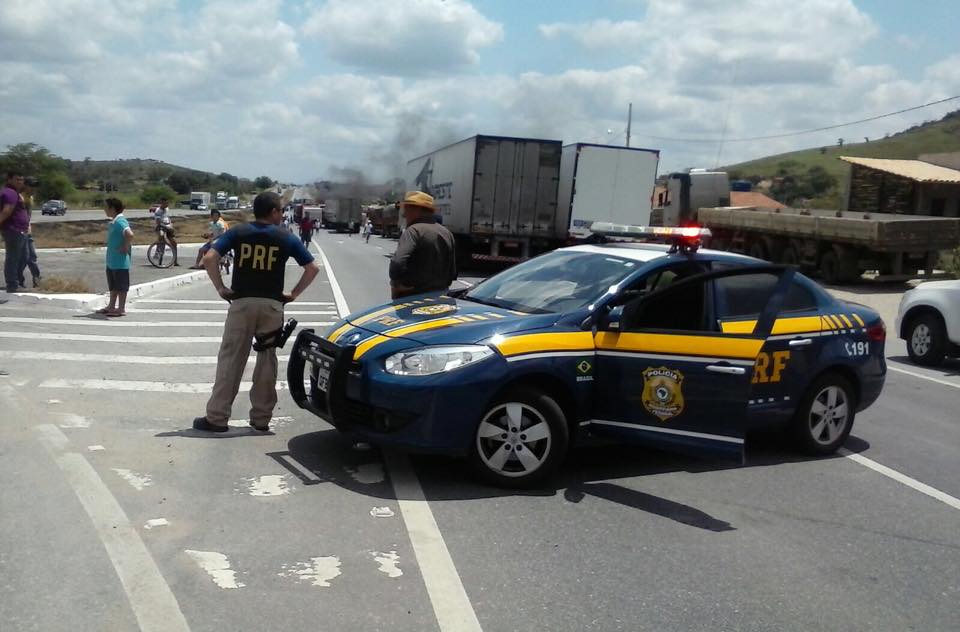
{"points": [[259, 258]]}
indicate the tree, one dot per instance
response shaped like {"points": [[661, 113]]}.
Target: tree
{"points": [[263, 182], [820, 180], [32, 159], [180, 183], [154, 193], [56, 186]]}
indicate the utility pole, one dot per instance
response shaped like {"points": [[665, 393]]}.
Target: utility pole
{"points": [[629, 121]]}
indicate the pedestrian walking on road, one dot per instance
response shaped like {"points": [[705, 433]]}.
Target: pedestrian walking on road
{"points": [[306, 230], [256, 298], [426, 257], [367, 230], [119, 247], [14, 223], [29, 258]]}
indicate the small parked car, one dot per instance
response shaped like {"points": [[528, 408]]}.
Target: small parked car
{"points": [[929, 320], [53, 207]]}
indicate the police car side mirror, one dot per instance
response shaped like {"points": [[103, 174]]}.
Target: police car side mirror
{"points": [[608, 319]]}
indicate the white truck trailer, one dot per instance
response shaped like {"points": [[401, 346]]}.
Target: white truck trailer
{"points": [[603, 183], [496, 194]]}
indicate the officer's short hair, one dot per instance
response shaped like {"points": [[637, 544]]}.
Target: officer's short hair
{"points": [[264, 204]]}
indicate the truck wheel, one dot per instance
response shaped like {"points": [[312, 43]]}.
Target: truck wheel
{"points": [[926, 340], [520, 440], [758, 250], [790, 257], [830, 268], [824, 418]]}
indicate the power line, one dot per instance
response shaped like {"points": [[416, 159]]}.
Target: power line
{"points": [[806, 131]]}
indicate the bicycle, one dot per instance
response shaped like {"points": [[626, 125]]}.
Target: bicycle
{"points": [[157, 253]]}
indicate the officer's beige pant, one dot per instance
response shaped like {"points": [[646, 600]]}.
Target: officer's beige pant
{"points": [[246, 317]]}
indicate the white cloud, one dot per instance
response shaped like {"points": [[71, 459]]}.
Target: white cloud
{"points": [[408, 38]]}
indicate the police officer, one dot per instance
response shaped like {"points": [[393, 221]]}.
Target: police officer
{"points": [[261, 249], [426, 257]]}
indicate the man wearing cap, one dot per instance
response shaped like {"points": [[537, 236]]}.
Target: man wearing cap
{"points": [[426, 257]]}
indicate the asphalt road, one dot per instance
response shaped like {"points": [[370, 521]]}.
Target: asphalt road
{"points": [[85, 214], [115, 516]]}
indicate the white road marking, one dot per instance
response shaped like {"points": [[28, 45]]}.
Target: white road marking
{"points": [[114, 323], [95, 448], [922, 376], [389, 563], [169, 340], [217, 566], [275, 422], [54, 401], [366, 473], [70, 420], [150, 310], [114, 359], [912, 483], [269, 485], [137, 481], [150, 598], [382, 512], [133, 385], [310, 475], [450, 603], [318, 571], [156, 522], [224, 304]]}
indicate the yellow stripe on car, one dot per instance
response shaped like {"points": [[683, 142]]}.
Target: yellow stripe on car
{"points": [[365, 319], [847, 321], [712, 346], [794, 325], [836, 321], [399, 332], [827, 323], [859, 320], [539, 343]]}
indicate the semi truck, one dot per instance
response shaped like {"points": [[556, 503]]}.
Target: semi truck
{"points": [[604, 183], [198, 199], [339, 213], [221, 200], [496, 194], [840, 245], [233, 202]]}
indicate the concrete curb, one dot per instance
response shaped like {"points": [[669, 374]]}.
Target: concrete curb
{"points": [[96, 301]]}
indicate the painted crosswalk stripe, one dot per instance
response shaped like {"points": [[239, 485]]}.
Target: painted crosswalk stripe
{"points": [[221, 302], [101, 358], [151, 310], [142, 386], [83, 322], [168, 340]]}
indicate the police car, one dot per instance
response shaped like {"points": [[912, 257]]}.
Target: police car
{"points": [[670, 346]]}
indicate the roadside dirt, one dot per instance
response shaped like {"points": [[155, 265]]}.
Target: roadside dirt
{"points": [[93, 233]]}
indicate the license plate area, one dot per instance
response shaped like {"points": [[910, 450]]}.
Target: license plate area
{"points": [[321, 367]]}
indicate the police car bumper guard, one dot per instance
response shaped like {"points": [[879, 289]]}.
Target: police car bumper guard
{"points": [[387, 410]]}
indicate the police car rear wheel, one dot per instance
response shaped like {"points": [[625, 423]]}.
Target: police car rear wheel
{"points": [[520, 440], [825, 419]]}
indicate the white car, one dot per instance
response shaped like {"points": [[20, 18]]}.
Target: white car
{"points": [[929, 320]]}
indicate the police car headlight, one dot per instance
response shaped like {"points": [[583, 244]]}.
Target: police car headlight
{"points": [[432, 360]]}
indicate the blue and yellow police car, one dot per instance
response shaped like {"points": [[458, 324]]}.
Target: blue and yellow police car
{"points": [[668, 345]]}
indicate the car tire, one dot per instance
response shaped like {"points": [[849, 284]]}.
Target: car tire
{"points": [[503, 452], [789, 256], [830, 268], [824, 419], [758, 250], [926, 340]]}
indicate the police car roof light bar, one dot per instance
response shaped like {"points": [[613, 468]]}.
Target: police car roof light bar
{"points": [[683, 238]]}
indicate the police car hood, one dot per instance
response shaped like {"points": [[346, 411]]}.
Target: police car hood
{"points": [[437, 320]]}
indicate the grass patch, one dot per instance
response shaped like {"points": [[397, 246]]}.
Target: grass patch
{"points": [[59, 285], [93, 233]]}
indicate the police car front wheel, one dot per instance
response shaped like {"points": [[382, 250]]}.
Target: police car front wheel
{"points": [[825, 418], [520, 440]]}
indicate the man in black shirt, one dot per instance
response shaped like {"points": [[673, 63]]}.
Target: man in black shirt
{"points": [[261, 249], [426, 257]]}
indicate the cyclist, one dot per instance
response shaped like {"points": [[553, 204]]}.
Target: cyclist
{"points": [[215, 229], [164, 224]]}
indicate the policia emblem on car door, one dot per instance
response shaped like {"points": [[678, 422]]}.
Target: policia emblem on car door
{"points": [[663, 392]]}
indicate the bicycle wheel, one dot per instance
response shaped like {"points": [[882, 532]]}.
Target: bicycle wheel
{"points": [[159, 256]]}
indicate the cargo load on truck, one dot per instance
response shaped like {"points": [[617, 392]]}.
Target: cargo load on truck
{"points": [[604, 183], [497, 195], [342, 213]]}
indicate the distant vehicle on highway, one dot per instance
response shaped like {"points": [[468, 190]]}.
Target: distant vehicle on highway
{"points": [[929, 320], [54, 207], [202, 207]]}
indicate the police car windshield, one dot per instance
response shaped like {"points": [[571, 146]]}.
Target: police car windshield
{"points": [[560, 281]]}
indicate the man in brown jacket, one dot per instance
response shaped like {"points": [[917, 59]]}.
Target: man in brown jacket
{"points": [[426, 257]]}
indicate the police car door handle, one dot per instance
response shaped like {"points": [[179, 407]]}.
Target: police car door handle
{"points": [[801, 342], [729, 370]]}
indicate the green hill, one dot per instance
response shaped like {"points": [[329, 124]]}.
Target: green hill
{"points": [[818, 174]]}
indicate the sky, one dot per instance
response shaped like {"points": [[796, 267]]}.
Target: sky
{"points": [[312, 89]]}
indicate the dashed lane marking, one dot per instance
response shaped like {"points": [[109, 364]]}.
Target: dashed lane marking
{"points": [[922, 376], [113, 324], [447, 595], [114, 359], [902, 478], [168, 340], [150, 310], [224, 304], [134, 385], [151, 599]]}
